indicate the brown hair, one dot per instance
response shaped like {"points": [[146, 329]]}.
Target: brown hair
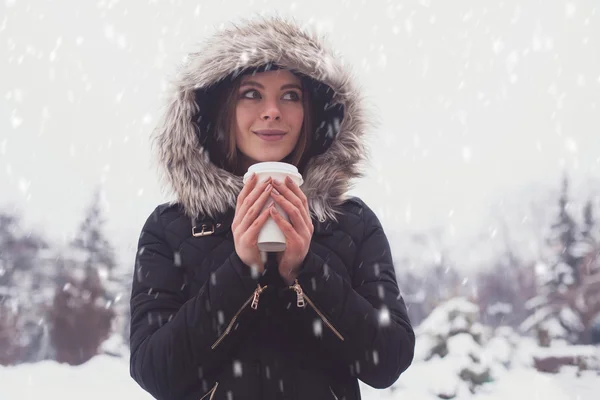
{"points": [[226, 102]]}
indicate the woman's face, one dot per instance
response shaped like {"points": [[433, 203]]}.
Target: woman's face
{"points": [[268, 116]]}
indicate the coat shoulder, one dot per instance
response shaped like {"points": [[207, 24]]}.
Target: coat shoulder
{"points": [[169, 222], [355, 206], [164, 214], [358, 218], [352, 217], [169, 210]]}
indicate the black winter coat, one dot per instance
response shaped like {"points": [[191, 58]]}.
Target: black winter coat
{"points": [[202, 325]]}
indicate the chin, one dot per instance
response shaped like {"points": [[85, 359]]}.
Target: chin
{"points": [[270, 157]]}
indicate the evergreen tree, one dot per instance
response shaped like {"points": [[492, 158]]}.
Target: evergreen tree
{"points": [[588, 221], [91, 242], [25, 270], [82, 311], [563, 240], [19, 254], [569, 279]]}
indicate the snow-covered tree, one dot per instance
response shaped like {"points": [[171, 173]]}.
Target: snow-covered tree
{"points": [[80, 318], [91, 244], [568, 278], [26, 273], [82, 312], [453, 335], [18, 257], [428, 276], [565, 243], [503, 289]]}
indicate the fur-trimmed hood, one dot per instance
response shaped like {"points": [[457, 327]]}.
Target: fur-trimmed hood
{"points": [[205, 189]]}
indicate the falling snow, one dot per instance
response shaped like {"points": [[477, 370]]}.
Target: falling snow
{"points": [[318, 327], [177, 259], [478, 104], [15, 120], [380, 291], [384, 317], [237, 369]]}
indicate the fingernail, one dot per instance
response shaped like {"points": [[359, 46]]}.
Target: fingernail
{"points": [[275, 192], [288, 179], [277, 182], [269, 187]]}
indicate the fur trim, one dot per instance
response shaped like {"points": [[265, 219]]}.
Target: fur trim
{"points": [[200, 186]]}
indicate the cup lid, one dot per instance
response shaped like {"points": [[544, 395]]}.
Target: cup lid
{"points": [[274, 166]]}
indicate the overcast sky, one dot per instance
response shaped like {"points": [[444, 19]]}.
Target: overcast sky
{"points": [[475, 100]]}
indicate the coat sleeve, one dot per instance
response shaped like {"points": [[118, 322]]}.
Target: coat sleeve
{"points": [[374, 335], [172, 336]]}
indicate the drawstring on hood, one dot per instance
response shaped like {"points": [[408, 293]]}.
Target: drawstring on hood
{"points": [[185, 143]]}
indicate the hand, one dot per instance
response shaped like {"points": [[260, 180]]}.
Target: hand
{"points": [[298, 233], [249, 220]]}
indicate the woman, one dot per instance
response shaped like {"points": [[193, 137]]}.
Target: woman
{"points": [[211, 317]]}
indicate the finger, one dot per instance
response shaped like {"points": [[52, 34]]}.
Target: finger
{"points": [[298, 192], [250, 199], [254, 210], [250, 184], [295, 214], [291, 196], [255, 227], [288, 230]]}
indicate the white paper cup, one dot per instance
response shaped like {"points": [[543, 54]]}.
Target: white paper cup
{"points": [[271, 238]]}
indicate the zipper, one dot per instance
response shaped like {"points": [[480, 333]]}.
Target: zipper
{"points": [[333, 393], [255, 297], [252, 299], [300, 302], [211, 392]]}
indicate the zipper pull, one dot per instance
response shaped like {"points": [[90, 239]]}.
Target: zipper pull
{"points": [[300, 294], [256, 295]]}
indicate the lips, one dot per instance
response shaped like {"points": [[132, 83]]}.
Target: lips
{"points": [[270, 134]]}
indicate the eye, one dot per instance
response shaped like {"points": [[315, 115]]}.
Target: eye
{"points": [[295, 96], [245, 94]]}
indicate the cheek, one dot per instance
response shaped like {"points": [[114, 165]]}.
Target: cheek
{"points": [[243, 118], [296, 117]]}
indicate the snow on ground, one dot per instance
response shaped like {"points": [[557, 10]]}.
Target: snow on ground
{"points": [[105, 377], [450, 344], [101, 378], [516, 384]]}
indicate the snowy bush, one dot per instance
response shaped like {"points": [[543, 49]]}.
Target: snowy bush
{"points": [[452, 335]]}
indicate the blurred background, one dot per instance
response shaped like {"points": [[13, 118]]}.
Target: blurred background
{"points": [[485, 172]]}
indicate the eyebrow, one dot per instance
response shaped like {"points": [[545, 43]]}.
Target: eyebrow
{"points": [[286, 86]]}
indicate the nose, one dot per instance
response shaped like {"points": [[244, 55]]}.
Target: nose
{"points": [[271, 112]]}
